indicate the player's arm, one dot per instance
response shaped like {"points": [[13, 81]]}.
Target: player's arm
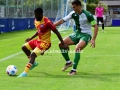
{"points": [[60, 38], [61, 21], [28, 39], [94, 24], [96, 12], [53, 28], [94, 35]]}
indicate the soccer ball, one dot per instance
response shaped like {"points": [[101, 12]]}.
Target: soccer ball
{"points": [[11, 70]]}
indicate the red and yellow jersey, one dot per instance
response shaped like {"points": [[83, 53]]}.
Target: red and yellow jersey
{"points": [[44, 28]]}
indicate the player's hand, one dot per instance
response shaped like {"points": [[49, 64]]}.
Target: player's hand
{"points": [[28, 39], [65, 46], [92, 43]]}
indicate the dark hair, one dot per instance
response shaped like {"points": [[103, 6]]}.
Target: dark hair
{"points": [[76, 2], [38, 10]]}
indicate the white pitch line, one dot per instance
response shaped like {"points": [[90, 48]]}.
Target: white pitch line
{"points": [[3, 59]]}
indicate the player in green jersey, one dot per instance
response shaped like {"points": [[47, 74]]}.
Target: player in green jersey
{"points": [[83, 35]]}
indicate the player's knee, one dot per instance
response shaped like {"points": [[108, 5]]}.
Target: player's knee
{"points": [[23, 48], [33, 55]]}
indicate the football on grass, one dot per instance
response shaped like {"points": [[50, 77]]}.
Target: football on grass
{"points": [[11, 70]]}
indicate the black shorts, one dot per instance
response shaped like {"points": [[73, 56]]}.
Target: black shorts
{"points": [[100, 19]]}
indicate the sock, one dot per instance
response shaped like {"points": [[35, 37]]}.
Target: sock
{"points": [[68, 61], [27, 68], [102, 26], [76, 60], [64, 53], [74, 69]]}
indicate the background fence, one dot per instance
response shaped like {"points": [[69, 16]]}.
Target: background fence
{"points": [[19, 14], [25, 8]]}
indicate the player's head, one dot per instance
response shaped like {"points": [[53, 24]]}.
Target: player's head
{"points": [[38, 13], [99, 4], [76, 4]]}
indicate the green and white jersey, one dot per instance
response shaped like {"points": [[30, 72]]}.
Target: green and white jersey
{"points": [[83, 21]]}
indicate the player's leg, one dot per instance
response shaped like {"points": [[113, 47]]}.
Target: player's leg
{"points": [[84, 39], [26, 51], [28, 65], [102, 21], [98, 19], [29, 46], [70, 40], [26, 48], [79, 47], [40, 49], [64, 53]]}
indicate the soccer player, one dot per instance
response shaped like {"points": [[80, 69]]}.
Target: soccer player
{"points": [[99, 12], [81, 37], [42, 43]]}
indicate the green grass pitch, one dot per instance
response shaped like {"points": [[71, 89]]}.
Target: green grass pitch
{"points": [[98, 69]]}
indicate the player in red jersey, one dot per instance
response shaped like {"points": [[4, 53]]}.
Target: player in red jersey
{"points": [[42, 43]]}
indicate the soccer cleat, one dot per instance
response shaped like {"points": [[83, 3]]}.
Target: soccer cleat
{"points": [[34, 65], [72, 72], [67, 65], [22, 75]]}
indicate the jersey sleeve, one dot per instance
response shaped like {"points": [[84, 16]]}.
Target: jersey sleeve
{"points": [[50, 25], [91, 19], [68, 17]]}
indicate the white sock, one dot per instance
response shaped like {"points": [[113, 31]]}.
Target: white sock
{"points": [[74, 69], [68, 61]]}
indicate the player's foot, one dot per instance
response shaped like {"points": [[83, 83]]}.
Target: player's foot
{"points": [[72, 72], [22, 74], [67, 65], [103, 31], [34, 65]]}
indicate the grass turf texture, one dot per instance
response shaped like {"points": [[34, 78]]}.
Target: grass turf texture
{"points": [[98, 68]]}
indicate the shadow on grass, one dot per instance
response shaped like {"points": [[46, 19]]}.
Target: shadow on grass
{"points": [[12, 75], [107, 77]]}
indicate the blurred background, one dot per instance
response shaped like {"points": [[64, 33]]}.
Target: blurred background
{"points": [[24, 8]]}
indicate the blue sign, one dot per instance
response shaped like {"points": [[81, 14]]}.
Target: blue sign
{"points": [[4, 25], [13, 24], [115, 22]]}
